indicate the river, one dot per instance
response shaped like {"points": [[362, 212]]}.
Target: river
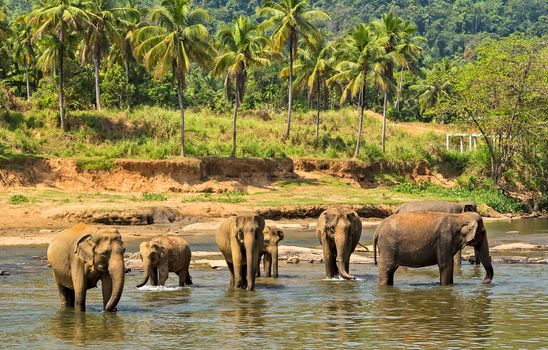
{"points": [[299, 310]]}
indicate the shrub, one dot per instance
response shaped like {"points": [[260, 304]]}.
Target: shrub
{"points": [[148, 196], [18, 199]]}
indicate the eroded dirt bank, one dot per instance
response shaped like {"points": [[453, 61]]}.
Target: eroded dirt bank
{"points": [[192, 174]]}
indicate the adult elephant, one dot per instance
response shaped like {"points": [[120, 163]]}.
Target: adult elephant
{"points": [[269, 254], [82, 255], [443, 207], [339, 232], [428, 238], [241, 239], [162, 255]]}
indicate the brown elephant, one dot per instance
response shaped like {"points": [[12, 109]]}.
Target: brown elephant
{"points": [[339, 232], [241, 240], [162, 255], [428, 238], [269, 254], [443, 207], [82, 255]]}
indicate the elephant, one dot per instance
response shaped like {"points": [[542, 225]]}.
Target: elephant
{"points": [[437, 206], [443, 207], [240, 239], [269, 254], [82, 255], [162, 255], [428, 238], [339, 232]]}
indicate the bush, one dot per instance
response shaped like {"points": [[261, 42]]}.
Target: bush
{"points": [[148, 196], [116, 92], [18, 199]]}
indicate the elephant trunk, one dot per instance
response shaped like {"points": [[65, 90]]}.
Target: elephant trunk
{"points": [[146, 267], [274, 254], [117, 273], [251, 261], [341, 243], [486, 259]]}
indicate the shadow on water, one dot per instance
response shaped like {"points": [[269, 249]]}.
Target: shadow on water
{"points": [[246, 316], [437, 315], [79, 328]]}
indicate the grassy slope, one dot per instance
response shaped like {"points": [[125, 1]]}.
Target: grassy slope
{"points": [[153, 133]]}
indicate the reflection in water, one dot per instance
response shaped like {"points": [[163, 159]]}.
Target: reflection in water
{"points": [[81, 328], [244, 315], [433, 315]]}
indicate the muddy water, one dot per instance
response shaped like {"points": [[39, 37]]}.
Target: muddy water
{"points": [[298, 310]]}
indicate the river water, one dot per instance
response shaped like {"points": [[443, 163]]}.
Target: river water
{"points": [[299, 310]]}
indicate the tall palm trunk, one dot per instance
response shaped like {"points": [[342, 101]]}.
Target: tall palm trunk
{"points": [[290, 98], [360, 127], [27, 80], [383, 121], [97, 66], [180, 90], [398, 94], [318, 99], [236, 105], [61, 89]]}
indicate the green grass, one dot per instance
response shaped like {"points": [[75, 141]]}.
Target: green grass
{"points": [[18, 199], [226, 197], [484, 193], [154, 133], [148, 196]]}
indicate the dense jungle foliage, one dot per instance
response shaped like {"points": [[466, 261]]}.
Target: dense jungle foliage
{"points": [[478, 65]]}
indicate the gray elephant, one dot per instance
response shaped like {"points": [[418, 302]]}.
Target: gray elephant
{"points": [[269, 254], [428, 238], [443, 207], [339, 232], [82, 255], [162, 255], [241, 240]]}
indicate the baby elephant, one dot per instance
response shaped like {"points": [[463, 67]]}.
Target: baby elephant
{"points": [[163, 255], [272, 236], [429, 238]]}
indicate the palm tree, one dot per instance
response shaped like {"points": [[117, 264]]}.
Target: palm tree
{"points": [[177, 37], [291, 20], [360, 64], [435, 84], [100, 32], [312, 69], [244, 48], [395, 35], [24, 49], [123, 50], [60, 19]]}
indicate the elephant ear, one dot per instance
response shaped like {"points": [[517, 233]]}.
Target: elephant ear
{"points": [[469, 230], [260, 222], [280, 234], [160, 247], [85, 247]]}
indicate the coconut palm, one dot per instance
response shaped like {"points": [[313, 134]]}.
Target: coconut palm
{"points": [[176, 38], [361, 61], [23, 49], [60, 19], [100, 33], [396, 36], [435, 84], [244, 47], [123, 50], [291, 20], [313, 67]]}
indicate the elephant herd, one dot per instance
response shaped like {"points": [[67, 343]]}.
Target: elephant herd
{"points": [[419, 234]]}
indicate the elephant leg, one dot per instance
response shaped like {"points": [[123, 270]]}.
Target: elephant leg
{"points": [[446, 272], [329, 260], [79, 284], [243, 273], [238, 259], [163, 272], [153, 276], [183, 276], [267, 265], [477, 259], [106, 286], [258, 274], [64, 296], [231, 269], [347, 265], [387, 269]]}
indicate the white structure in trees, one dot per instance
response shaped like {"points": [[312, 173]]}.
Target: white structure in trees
{"points": [[472, 141]]}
